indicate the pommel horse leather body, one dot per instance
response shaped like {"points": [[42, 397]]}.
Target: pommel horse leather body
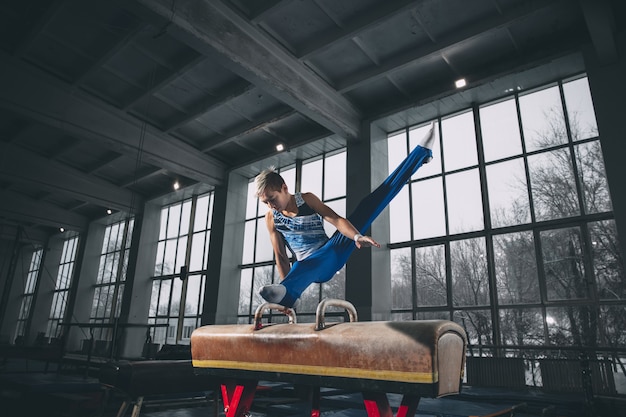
{"points": [[415, 358]]}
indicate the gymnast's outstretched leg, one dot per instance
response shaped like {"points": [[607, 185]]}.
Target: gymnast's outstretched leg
{"points": [[322, 265]]}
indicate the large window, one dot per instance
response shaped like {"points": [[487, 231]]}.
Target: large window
{"points": [[32, 278], [62, 288], [180, 270], [109, 286], [324, 177], [509, 230]]}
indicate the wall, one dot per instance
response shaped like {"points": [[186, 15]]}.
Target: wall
{"points": [[226, 290], [137, 302], [608, 91], [85, 280], [15, 287], [368, 286], [47, 282]]}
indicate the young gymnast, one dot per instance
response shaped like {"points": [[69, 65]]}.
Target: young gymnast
{"points": [[295, 221]]}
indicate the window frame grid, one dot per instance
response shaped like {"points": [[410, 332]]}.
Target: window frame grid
{"points": [[580, 222], [247, 318], [60, 294], [35, 269], [115, 283], [169, 327]]}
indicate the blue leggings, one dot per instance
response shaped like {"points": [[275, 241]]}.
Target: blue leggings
{"points": [[322, 265]]}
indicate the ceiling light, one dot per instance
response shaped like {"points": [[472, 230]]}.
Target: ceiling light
{"points": [[280, 147], [61, 229], [176, 185], [460, 83], [109, 211]]}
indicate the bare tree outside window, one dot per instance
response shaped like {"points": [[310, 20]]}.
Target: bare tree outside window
{"points": [[546, 264]]}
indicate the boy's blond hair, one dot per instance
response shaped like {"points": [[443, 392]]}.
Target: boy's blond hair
{"points": [[268, 179]]}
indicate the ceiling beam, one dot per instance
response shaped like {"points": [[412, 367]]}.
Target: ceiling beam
{"points": [[243, 130], [444, 43], [39, 26], [27, 91], [561, 61], [354, 27], [142, 176], [19, 207], [28, 235], [105, 161], [25, 167], [214, 29], [213, 101], [165, 81], [268, 8], [107, 55]]}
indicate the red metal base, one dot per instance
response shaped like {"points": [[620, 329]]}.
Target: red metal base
{"points": [[377, 405], [237, 398]]}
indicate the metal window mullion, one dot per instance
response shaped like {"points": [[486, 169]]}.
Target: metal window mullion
{"points": [[491, 270], [443, 180], [414, 306], [570, 143], [257, 221], [531, 205], [543, 291], [298, 169], [323, 177], [174, 275], [36, 289], [446, 242], [448, 265], [183, 292], [319, 287], [586, 235], [207, 230], [407, 147]]}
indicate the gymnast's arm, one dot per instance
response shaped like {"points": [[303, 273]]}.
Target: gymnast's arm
{"points": [[341, 223], [280, 252]]}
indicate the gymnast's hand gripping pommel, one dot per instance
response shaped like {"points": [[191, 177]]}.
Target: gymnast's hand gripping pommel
{"points": [[322, 265]]}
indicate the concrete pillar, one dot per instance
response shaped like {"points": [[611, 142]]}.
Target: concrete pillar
{"points": [[136, 305], [368, 284], [45, 290], [225, 252], [16, 290], [6, 246], [214, 263], [85, 281], [381, 258]]}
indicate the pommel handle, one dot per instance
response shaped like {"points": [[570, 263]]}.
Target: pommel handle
{"points": [[258, 315], [320, 323]]}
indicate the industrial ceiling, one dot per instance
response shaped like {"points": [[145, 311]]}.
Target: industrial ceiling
{"points": [[105, 103]]}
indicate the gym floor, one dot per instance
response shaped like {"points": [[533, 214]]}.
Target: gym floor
{"points": [[34, 392]]}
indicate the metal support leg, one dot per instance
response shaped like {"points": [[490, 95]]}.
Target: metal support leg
{"points": [[123, 408], [137, 407], [238, 397], [408, 407], [315, 402], [377, 405]]}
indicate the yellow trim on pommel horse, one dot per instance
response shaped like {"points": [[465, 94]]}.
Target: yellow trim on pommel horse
{"points": [[423, 358]]}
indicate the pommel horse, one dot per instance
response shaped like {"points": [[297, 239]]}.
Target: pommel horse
{"points": [[422, 358]]}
